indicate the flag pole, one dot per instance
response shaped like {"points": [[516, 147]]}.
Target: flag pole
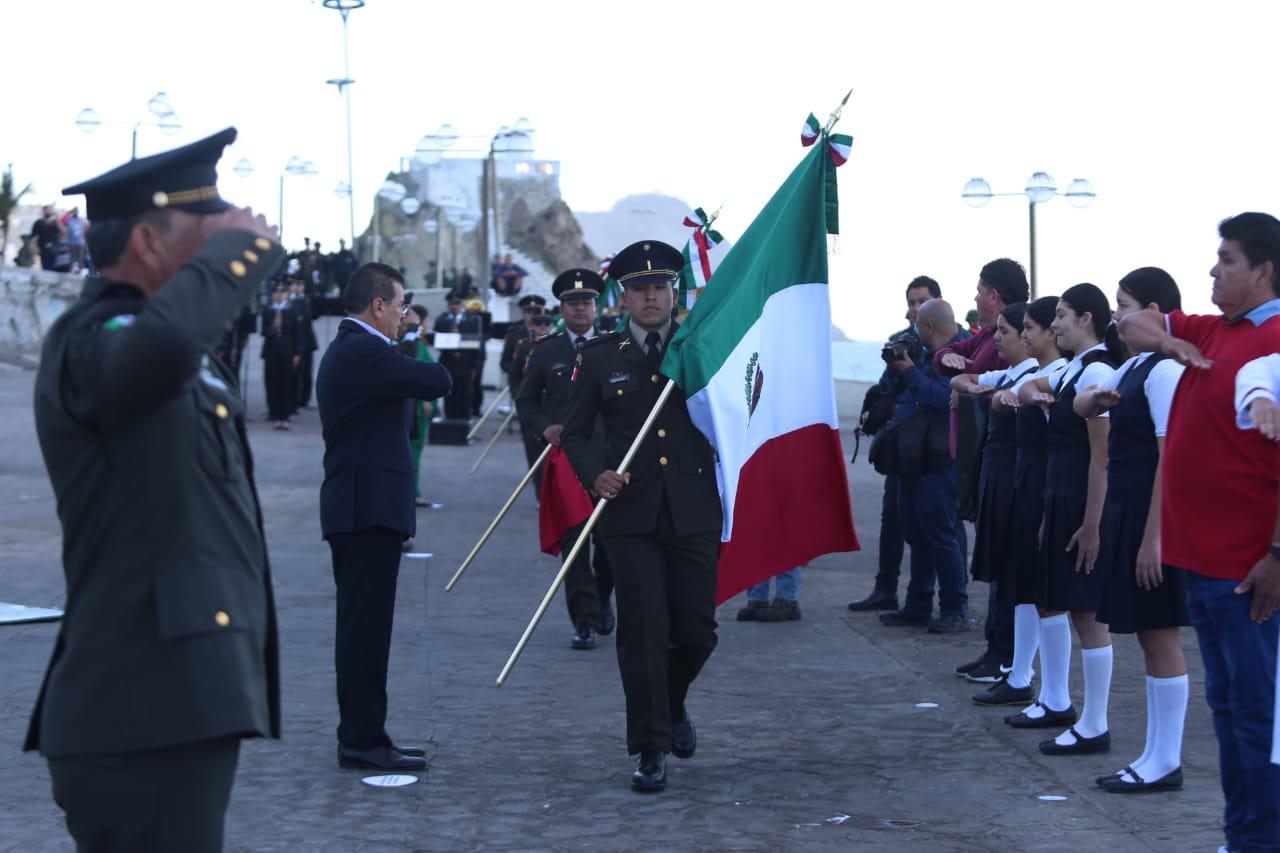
{"points": [[582, 537], [502, 513], [497, 434], [489, 411], [835, 114]]}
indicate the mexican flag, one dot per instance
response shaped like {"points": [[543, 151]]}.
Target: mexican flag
{"points": [[754, 359]]}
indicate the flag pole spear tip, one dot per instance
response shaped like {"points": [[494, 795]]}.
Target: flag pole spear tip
{"points": [[835, 114]]}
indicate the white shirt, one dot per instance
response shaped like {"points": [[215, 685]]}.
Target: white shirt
{"points": [[586, 336], [370, 329], [1159, 387], [993, 378], [1092, 376], [1257, 380], [1050, 371]]}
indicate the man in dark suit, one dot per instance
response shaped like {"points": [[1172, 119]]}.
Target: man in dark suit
{"points": [[281, 355], [662, 526], [167, 656], [304, 323], [461, 362], [543, 401], [364, 390]]}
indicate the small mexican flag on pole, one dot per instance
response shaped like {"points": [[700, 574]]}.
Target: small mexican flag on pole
{"points": [[698, 263], [754, 360]]}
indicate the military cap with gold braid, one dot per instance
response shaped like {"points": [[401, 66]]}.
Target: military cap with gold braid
{"points": [[646, 262], [577, 283], [185, 178]]}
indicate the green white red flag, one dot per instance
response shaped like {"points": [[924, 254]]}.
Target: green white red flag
{"points": [[754, 360], [699, 262]]}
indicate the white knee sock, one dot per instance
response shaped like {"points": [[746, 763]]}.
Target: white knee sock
{"points": [[1055, 660], [1026, 638], [1096, 664], [1169, 697]]}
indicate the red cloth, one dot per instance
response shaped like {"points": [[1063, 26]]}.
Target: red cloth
{"points": [[563, 505], [1219, 483]]}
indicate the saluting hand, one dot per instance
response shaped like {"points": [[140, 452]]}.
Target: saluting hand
{"points": [[1008, 399], [242, 218], [1264, 580], [1086, 542], [1044, 400], [609, 483], [955, 361], [1106, 398], [1184, 352], [981, 390], [1266, 415]]}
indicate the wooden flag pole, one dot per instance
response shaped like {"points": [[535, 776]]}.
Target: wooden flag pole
{"points": [[496, 400], [506, 507], [495, 438], [582, 538]]}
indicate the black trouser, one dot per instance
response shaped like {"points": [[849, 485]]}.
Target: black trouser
{"points": [[477, 390], [893, 542], [282, 394], [459, 363], [603, 570], [533, 445], [304, 379], [161, 799], [998, 631], [581, 586], [365, 567], [666, 591]]}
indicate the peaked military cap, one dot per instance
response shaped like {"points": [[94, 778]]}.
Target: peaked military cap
{"points": [[646, 262], [542, 319], [577, 282], [533, 300], [185, 178]]}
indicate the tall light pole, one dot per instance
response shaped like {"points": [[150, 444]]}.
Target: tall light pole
{"points": [[296, 166], [345, 8], [159, 113], [1040, 188]]}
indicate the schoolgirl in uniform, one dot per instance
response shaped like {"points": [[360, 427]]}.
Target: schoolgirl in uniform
{"points": [[1142, 596], [1075, 488]]}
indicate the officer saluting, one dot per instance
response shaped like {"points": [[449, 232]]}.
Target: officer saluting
{"points": [[662, 527], [167, 655], [542, 402]]}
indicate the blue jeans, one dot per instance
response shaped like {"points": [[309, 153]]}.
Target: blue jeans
{"points": [[927, 511], [788, 584], [1239, 685]]}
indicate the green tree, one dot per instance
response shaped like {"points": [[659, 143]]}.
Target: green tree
{"points": [[8, 203]]}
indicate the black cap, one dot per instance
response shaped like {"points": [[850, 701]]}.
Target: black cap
{"points": [[185, 178], [577, 283], [646, 262], [533, 300]]}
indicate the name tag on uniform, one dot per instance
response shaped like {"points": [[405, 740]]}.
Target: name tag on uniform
{"points": [[618, 376]]}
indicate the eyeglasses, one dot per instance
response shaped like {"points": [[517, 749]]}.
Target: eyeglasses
{"points": [[403, 307]]}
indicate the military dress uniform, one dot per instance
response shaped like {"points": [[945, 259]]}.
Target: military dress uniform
{"points": [[517, 344], [542, 401], [281, 343], [168, 654], [662, 530], [461, 363]]}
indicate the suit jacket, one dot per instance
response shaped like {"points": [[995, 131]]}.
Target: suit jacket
{"points": [[363, 390], [170, 631], [675, 462]]}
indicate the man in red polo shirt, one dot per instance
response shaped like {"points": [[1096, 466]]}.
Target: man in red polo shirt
{"points": [[1218, 513]]}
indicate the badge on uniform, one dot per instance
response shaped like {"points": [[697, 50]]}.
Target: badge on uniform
{"points": [[618, 376], [120, 321]]}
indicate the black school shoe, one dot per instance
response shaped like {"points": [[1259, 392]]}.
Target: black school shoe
{"points": [[1101, 781], [1171, 781], [1001, 693], [1082, 746], [991, 670], [965, 668], [1051, 720], [651, 772]]}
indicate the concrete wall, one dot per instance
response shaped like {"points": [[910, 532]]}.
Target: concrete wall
{"points": [[30, 300]]}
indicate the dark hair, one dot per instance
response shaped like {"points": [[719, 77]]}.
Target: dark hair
{"points": [[1006, 277], [370, 282], [420, 310], [1042, 310], [1152, 284], [1089, 298], [1013, 314], [935, 291], [1259, 237], [107, 239]]}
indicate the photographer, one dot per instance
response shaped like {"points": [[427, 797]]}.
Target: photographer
{"points": [[927, 482], [884, 394]]}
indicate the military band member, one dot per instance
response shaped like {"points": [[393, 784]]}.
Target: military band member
{"points": [[542, 403], [516, 346], [167, 656], [662, 526]]}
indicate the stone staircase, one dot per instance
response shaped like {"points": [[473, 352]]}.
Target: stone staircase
{"points": [[538, 281]]}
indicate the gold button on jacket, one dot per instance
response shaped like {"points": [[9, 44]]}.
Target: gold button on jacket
{"points": [[222, 618]]}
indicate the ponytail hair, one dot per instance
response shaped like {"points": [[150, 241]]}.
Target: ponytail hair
{"points": [[1149, 285], [1013, 314], [1088, 298]]}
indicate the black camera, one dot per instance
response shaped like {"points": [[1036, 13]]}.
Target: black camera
{"points": [[895, 350]]}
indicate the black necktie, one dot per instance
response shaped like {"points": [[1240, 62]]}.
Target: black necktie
{"points": [[653, 349], [581, 342]]}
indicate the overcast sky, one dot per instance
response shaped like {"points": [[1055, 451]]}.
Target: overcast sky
{"points": [[1170, 114]]}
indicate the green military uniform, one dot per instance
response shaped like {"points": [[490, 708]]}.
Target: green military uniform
{"points": [[662, 530], [168, 653]]}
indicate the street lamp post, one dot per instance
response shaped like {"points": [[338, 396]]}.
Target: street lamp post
{"points": [[295, 166], [345, 8], [1040, 188], [159, 113]]}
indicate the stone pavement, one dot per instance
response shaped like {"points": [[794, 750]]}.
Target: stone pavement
{"points": [[810, 734]]}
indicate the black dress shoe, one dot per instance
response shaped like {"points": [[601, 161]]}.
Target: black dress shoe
{"points": [[380, 758], [948, 625], [964, 669], [585, 638], [879, 599], [1001, 693], [1171, 781], [1081, 746], [1050, 720], [411, 751], [684, 737], [903, 618], [607, 621], [651, 772]]}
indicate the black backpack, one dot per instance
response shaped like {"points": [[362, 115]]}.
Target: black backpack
{"points": [[877, 410]]}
